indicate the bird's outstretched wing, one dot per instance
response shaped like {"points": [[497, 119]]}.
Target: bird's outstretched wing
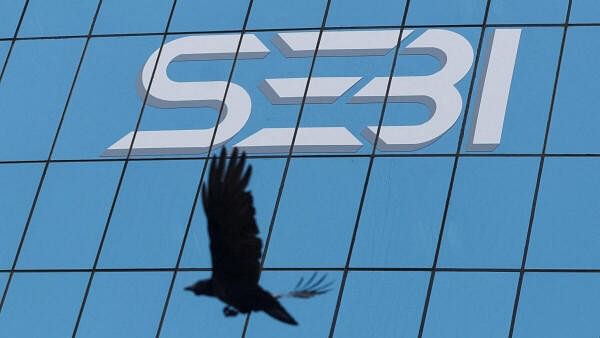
{"points": [[234, 245], [309, 289]]}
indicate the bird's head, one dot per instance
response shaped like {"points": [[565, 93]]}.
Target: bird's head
{"points": [[202, 287]]}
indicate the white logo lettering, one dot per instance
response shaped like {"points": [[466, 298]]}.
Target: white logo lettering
{"points": [[437, 91], [166, 93]]}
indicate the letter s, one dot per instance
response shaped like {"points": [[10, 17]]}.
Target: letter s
{"points": [[166, 93]]}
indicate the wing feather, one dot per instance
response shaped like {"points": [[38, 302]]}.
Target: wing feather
{"points": [[234, 243]]}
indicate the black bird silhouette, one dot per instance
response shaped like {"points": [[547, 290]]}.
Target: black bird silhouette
{"points": [[235, 247]]}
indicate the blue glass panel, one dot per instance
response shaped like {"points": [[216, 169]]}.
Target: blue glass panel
{"points": [[42, 304], [287, 14], [404, 114], [530, 93], [402, 213], [575, 122], [33, 92], [264, 185], [58, 17], [132, 16], [313, 315], [565, 231], [151, 214], [528, 11], [10, 12], [3, 278], [365, 13], [70, 215], [585, 11], [442, 12], [354, 117], [382, 304], [489, 212], [556, 305], [250, 73], [192, 316], [471, 305], [201, 16], [317, 212], [105, 104], [4, 46], [19, 183], [124, 304]]}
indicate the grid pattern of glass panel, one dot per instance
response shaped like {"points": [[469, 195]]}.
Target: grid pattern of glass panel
{"points": [[438, 242]]}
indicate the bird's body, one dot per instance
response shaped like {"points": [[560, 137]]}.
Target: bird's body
{"points": [[235, 247]]}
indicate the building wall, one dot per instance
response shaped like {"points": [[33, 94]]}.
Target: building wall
{"points": [[432, 238]]}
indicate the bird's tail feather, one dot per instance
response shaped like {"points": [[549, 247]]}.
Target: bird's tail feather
{"points": [[278, 312], [273, 308]]}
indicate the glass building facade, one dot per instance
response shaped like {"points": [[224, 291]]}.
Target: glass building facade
{"points": [[423, 238]]}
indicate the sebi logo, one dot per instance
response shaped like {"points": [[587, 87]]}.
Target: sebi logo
{"points": [[437, 91]]}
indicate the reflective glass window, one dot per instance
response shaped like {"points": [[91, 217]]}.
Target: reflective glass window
{"points": [[314, 315], [42, 304], [317, 212], [151, 214], [132, 16], [575, 124], [382, 304], [528, 11], [105, 104], [489, 212], [10, 12], [205, 16], [442, 12], [565, 232], [585, 11], [70, 215], [287, 14], [350, 13], [33, 93], [19, 183], [124, 304], [58, 17], [402, 212], [556, 305], [197, 316], [468, 304]]}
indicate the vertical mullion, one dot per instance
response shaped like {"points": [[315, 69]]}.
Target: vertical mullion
{"points": [[290, 152], [121, 177], [368, 175], [199, 185], [454, 169], [539, 175], [48, 159], [14, 39]]}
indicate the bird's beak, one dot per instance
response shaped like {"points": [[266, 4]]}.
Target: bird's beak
{"points": [[189, 288]]}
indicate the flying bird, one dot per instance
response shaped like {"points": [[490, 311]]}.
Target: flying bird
{"points": [[235, 247]]}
